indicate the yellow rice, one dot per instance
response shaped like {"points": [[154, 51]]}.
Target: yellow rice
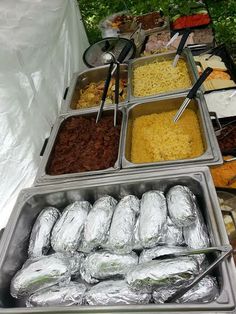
{"points": [[160, 77], [156, 137]]}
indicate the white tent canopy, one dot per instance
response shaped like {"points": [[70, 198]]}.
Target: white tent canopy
{"points": [[42, 43]]}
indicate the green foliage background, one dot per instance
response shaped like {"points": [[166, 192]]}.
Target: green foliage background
{"points": [[223, 13]]}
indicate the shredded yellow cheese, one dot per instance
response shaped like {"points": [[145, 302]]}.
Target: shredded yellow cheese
{"points": [[160, 77], [156, 137]]}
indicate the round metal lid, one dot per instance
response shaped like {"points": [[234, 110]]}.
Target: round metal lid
{"points": [[94, 54]]}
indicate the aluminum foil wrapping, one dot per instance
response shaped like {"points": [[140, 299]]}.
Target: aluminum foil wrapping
{"points": [[121, 235], [181, 204], [205, 291], [153, 216], [161, 294], [66, 234], [196, 235], [137, 243], [115, 292], [39, 243], [158, 251], [174, 234], [103, 265], [71, 294], [39, 274], [75, 261], [165, 273], [98, 223]]}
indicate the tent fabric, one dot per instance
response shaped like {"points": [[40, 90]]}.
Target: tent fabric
{"points": [[42, 44]]}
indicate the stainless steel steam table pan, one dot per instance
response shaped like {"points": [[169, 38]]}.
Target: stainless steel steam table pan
{"points": [[135, 63], [14, 243], [81, 79], [42, 174], [211, 154]]}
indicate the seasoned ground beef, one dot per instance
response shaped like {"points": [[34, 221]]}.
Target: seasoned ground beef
{"points": [[82, 145]]}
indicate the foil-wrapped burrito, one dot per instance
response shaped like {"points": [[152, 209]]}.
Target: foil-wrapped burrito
{"points": [[103, 265], [98, 223], [174, 234], [121, 235], [158, 251], [204, 292], [39, 243], [161, 294], [113, 292], [153, 216], [196, 235], [40, 273], [71, 294], [66, 234], [165, 273], [75, 261], [181, 203]]}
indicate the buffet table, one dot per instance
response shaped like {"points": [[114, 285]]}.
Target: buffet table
{"points": [[126, 217]]}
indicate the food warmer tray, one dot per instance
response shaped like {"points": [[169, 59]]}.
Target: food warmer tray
{"points": [[82, 79], [13, 247], [44, 178], [211, 155], [186, 55]]}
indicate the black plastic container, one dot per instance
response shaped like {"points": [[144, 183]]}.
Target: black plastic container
{"points": [[224, 134]]}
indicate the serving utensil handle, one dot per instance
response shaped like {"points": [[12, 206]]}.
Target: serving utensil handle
{"points": [[117, 92], [182, 42], [124, 52], [199, 82], [107, 82]]}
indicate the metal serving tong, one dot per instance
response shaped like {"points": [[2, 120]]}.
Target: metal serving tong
{"points": [[181, 47], [225, 251], [105, 90], [117, 91], [212, 51], [192, 93], [110, 58], [173, 39]]}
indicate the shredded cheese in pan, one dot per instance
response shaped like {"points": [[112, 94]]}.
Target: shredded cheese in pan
{"points": [[160, 77], [156, 137]]}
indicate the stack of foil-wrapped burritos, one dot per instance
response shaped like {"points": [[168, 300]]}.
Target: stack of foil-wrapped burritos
{"points": [[114, 252]]}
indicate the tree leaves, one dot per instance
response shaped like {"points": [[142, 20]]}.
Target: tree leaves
{"points": [[223, 13]]}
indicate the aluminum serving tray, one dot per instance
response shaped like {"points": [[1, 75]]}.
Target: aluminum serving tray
{"points": [[211, 155], [14, 244], [43, 178], [82, 79], [186, 55]]}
